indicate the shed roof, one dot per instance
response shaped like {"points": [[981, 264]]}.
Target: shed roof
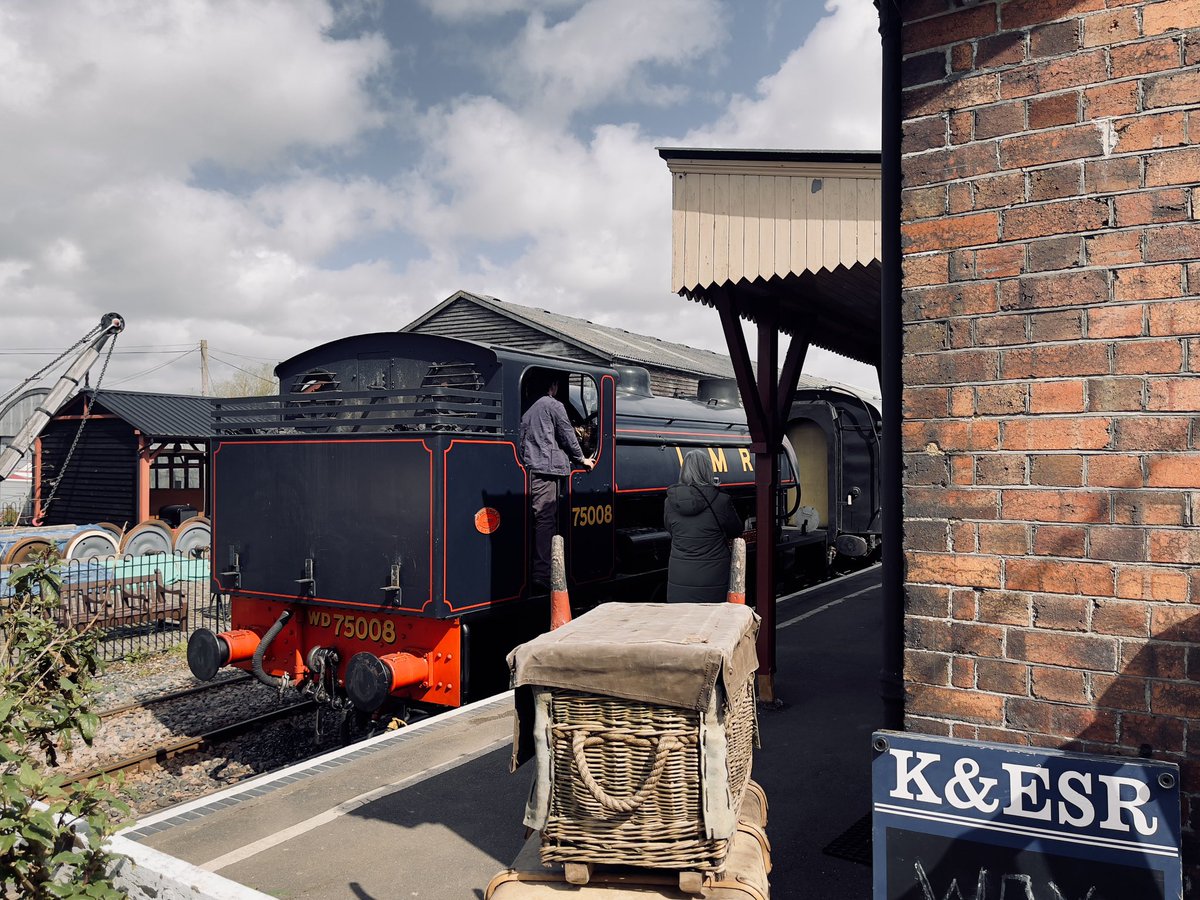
{"points": [[159, 415], [794, 230]]}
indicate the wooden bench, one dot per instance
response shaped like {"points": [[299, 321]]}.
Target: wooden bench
{"points": [[116, 602]]}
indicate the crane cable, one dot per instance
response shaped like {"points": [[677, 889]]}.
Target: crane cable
{"points": [[42, 371], [87, 411]]}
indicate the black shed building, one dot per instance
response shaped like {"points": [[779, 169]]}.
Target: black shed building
{"points": [[136, 453]]}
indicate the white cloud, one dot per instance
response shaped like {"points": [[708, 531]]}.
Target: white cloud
{"points": [[475, 10]]}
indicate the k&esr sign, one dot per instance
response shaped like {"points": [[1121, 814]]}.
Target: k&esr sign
{"points": [[972, 820]]}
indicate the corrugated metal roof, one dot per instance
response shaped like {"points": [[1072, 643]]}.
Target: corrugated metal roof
{"points": [[160, 415], [614, 344]]}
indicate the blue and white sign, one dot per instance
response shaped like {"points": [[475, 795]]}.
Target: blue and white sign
{"points": [[972, 820]]}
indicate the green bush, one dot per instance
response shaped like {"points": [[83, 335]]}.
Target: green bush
{"points": [[45, 680]]}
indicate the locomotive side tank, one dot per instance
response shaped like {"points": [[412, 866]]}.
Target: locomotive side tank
{"points": [[371, 523]]}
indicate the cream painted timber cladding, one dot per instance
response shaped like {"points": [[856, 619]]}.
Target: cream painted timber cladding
{"points": [[734, 220]]}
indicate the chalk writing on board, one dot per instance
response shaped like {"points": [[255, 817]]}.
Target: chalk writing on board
{"points": [[1011, 886]]}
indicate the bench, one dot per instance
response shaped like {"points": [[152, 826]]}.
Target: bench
{"points": [[117, 602]]}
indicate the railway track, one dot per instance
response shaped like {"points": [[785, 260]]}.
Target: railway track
{"points": [[159, 755], [134, 705]]}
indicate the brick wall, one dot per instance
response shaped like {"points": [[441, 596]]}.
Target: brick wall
{"points": [[1051, 163]]}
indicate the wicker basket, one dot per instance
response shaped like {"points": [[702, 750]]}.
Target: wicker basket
{"points": [[627, 782]]}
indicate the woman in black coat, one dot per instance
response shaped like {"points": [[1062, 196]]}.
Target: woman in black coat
{"points": [[700, 519]]}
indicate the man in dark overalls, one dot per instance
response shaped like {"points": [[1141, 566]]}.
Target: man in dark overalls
{"points": [[548, 447]]}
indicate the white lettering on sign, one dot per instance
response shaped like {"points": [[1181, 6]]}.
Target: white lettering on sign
{"points": [[1032, 792]]}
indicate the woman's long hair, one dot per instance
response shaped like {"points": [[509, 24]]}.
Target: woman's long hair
{"points": [[697, 469]]}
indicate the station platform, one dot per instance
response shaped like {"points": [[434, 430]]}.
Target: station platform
{"points": [[432, 811]]}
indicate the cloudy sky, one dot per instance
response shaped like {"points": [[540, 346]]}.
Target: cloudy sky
{"points": [[271, 174]]}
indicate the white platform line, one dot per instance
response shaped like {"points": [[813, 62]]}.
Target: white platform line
{"points": [[347, 806], [829, 605], [825, 584]]}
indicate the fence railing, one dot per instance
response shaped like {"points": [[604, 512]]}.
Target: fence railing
{"points": [[141, 605]]}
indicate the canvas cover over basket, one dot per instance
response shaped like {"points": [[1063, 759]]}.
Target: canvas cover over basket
{"points": [[641, 718]]}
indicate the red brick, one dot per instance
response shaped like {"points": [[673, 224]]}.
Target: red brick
{"points": [[948, 233], [959, 198], [1059, 540], [1064, 325], [1174, 395], [1055, 506], [1147, 357], [1000, 50], [1059, 577], [956, 569], [1156, 731], [1174, 89], [1119, 617], [1120, 692], [921, 725], [1066, 685], [1173, 241], [1173, 699], [1003, 538], [1061, 613], [1151, 660], [1056, 182], [1111, 27], [996, 331], [1170, 15], [1152, 583], [1144, 57], [962, 126], [1115, 321], [949, 164], [1055, 360], [1148, 283], [1086, 288], [921, 203], [1171, 167], [923, 534], [998, 191], [925, 403], [923, 600], [1114, 394], [925, 337], [964, 24], [1175, 622], [1023, 13], [1173, 471], [955, 637], [1057, 721], [950, 367], [962, 57], [1056, 649], [1054, 254], [1106, 100], [962, 603], [926, 668], [953, 300], [1064, 217], [1005, 608], [999, 677], [923, 68], [1150, 132], [1054, 110], [1150, 433], [1117, 544], [1000, 469], [959, 704], [1149, 508], [937, 503], [1059, 469], [1056, 434], [1122, 173], [961, 94], [1178, 547], [1151, 207], [1075, 142], [1054, 39], [1002, 262], [1076, 70], [1113, 248], [962, 470], [1112, 470], [924, 134], [1001, 118], [1175, 318], [1000, 399]]}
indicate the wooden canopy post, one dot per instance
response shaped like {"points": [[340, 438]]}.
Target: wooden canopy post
{"points": [[767, 402]]}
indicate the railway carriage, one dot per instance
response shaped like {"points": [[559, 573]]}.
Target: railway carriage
{"points": [[371, 523]]}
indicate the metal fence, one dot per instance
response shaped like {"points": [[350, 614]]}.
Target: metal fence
{"points": [[141, 605]]}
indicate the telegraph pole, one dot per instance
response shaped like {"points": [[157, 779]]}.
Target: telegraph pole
{"points": [[204, 389]]}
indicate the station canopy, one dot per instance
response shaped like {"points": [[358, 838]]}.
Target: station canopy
{"points": [[791, 238]]}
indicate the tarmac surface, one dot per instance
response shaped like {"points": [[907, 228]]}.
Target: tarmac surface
{"points": [[431, 811]]}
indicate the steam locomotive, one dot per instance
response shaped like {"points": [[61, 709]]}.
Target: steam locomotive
{"points": [[371, 523]]}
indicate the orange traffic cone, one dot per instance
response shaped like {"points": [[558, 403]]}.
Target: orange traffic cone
{"points": [[560, 603], [737, 573]]}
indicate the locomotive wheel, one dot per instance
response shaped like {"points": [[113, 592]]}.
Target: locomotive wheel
{"points": [[25, 548], [92, 543], [193, 537], [148, 538]]}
